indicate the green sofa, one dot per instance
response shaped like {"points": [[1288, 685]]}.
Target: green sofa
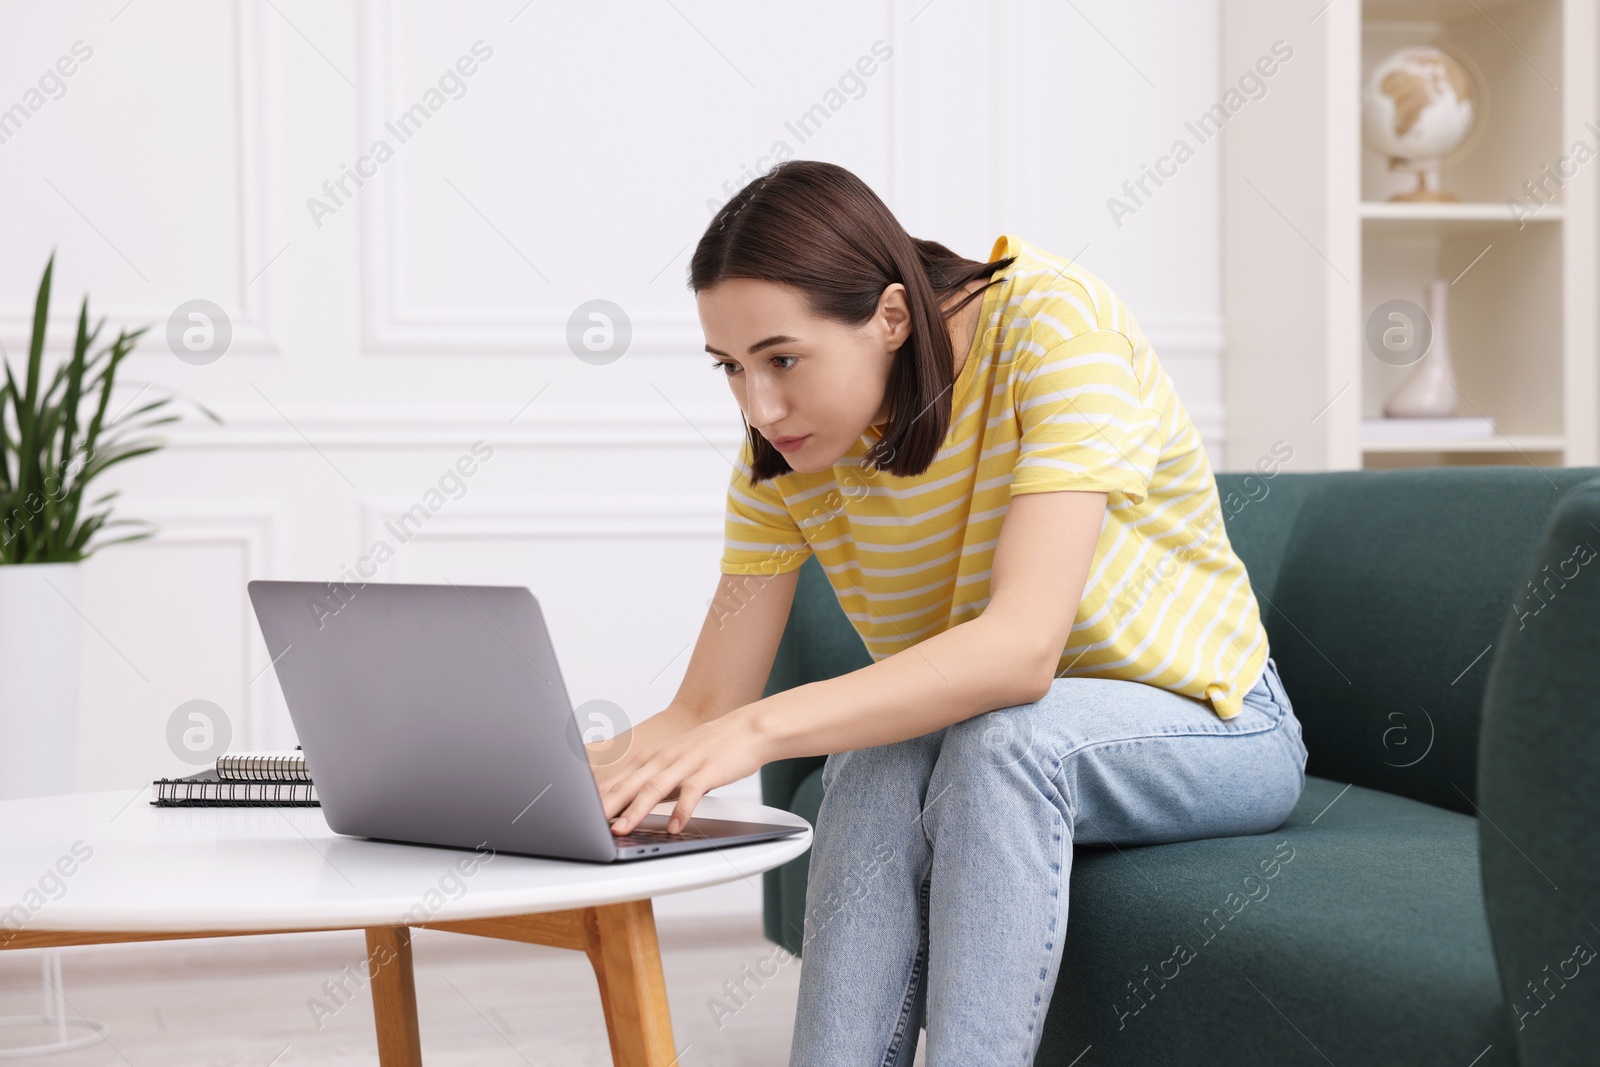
{"points": [[1434, 898]]}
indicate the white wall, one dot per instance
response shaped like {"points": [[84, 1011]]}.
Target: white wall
{"points": [[376, 341]]}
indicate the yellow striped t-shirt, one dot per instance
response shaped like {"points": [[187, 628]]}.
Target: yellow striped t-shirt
{"points": [[1060, 391]]}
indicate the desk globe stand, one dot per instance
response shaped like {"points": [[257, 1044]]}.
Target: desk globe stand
{"points": [[1427, 190]]}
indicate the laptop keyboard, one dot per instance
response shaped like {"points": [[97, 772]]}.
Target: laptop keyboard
{"points": [[644, 835]]}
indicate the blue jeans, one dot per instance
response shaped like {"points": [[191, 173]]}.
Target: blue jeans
{"points": [[940, 864]]}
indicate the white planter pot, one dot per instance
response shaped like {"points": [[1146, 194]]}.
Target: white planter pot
{"points": [[38, 678]]}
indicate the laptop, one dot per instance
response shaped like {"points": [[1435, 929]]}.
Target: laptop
{"points": [[436, 715]]}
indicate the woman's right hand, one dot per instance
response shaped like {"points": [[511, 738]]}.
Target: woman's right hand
{"points": [[612, 758], [615, 757]]}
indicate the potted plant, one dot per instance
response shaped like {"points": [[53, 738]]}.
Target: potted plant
{"points": [[54, 440]]}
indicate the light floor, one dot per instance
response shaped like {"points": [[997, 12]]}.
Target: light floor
{"points": [[246, 1002]]}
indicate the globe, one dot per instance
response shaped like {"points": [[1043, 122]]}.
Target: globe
{"points": [[1419, 107]]}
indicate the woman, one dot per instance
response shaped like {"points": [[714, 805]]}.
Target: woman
{"points": [[1020, 521]]}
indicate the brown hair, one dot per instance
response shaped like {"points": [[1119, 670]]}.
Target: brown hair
{"points": [[820, 229]]}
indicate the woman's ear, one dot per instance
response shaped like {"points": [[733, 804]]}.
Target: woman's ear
{"points": [[894, 315]]}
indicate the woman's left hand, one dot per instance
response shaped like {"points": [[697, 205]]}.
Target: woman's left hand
{"points": [[714, 753]]}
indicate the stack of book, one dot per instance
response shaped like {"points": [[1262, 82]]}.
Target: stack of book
{"points": [[1443, 427], [239, 779]]}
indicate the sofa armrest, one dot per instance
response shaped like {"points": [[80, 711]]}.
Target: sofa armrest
{"points": [[1539, 791], [780, 778]]}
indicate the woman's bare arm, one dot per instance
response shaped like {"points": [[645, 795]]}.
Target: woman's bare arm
{"points": [[737, 643]]}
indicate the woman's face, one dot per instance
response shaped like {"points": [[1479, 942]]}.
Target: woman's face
{"points": [[797, 375]]}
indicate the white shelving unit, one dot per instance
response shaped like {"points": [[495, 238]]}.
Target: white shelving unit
{"points": [[1312, 244]]}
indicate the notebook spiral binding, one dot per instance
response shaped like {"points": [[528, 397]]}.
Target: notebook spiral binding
{"points": [[264, 767], [190, 792]]}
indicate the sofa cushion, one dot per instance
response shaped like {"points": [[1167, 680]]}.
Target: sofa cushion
{"points": [[1355, 933], [1383, 594], [1357, 927]]}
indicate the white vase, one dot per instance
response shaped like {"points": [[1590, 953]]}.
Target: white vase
{"points": [[1430, 390], [38, 678]]}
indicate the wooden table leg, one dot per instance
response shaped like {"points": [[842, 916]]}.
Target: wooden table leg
{"points": [[620, 941], [627, 964], [394, 996]]}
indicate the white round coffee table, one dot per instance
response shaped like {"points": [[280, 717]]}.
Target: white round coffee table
{"points": [[93, 868]]}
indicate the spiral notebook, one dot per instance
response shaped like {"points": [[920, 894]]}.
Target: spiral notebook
{"points": [[241, 779]]}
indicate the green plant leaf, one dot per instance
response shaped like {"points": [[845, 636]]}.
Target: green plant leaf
{"points": [[49, 451], [26, 449]]}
